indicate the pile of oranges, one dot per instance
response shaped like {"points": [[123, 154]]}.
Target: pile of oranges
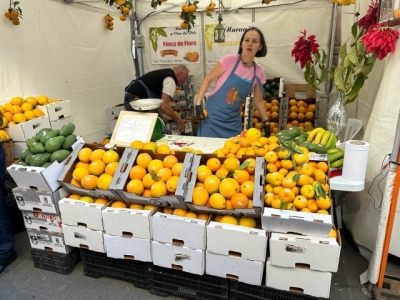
{"points": [[188, 15], [19, 110], [299, 112], [293, 182], [109, 24], [95, 168], [13, 15], [124, 12], [210, 8]]}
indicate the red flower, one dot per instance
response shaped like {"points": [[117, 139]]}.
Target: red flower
{"points": [[380, 39], [304, 48], [371, 17]]}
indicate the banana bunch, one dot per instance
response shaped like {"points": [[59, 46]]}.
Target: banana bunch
{"points": [[321, 136], [335, 157]]}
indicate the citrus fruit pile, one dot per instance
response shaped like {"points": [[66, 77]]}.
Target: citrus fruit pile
{"points": [[293, 182], [13, 14], [272, 109], [162, 148], [108, 20], [95, 168], [188, 14], [210, 8], [300, 113], [19, 110], [151, 177]]}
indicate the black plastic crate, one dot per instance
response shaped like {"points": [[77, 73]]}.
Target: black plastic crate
{"points": [[54, 261], [164, 282], [17, 220], [243, 291], [97, 264], [10, 184]]}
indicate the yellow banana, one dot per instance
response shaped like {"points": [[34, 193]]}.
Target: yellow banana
{"points": [[313, 133], [318, 137], [325, 137]]}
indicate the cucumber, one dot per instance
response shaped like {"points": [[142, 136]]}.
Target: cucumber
{"points": [[335, 156], [337, 164]]}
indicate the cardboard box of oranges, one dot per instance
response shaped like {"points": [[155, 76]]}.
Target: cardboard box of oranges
{"points": [[149, 178], [89, 170], [223, 185]]}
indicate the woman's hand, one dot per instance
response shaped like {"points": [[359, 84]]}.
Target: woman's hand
{"points": [[199, 112]]}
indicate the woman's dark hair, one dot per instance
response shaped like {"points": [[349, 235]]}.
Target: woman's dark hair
{"points": [[263, 51]]}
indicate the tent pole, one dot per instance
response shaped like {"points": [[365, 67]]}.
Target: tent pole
{"points": [[393, 205], [331, 44]]}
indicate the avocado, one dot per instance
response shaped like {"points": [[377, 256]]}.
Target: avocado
{"points": [[37, 147], [267, 87], [24, 154], [276, 93], [54, 143], [39, 159], [28, 158], [30, 141], [48, 135], [41, 132], [59, 155], [67, 129], [68, 142]]}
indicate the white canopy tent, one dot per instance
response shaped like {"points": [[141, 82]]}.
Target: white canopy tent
{"points": [[61, 49]]}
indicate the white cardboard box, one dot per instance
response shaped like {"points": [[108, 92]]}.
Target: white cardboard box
{"points": [[50, 241], [127, 247], [289, 221], [42, 221], [127, 222], [57, 124], [18, 147], [23, 131], [81, 237], [245, 242], [43, 179], [320, 254], [178, 257], [236, 268], [39, 201], [178, 230], [56, 110], [80, 213], [302, 280]]}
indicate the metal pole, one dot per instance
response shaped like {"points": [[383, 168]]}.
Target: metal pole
{"points": [[331, 45]]}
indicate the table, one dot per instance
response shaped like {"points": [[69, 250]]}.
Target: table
{"points": [[205, 144], [340, 186]]}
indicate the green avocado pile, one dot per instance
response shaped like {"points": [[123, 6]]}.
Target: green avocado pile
{"points": [[48, 145], [271, 90]]}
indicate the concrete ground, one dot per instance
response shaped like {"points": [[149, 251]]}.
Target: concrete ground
{"points": [[21, 280]]}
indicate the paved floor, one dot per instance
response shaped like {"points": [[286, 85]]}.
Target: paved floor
{"points": [[21, 280]]}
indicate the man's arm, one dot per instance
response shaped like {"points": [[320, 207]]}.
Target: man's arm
{"points": [[167, 110]]}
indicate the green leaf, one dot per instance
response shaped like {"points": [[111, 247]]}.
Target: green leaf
{"points": [[343, 51], [297, 150], [161, 31], [354, 29], [154, 45], [352, 56], [230, 173], [244, 165], [353, 92], [296, 177], [338, 79]]}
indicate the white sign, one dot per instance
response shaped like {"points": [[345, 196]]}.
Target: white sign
{"points": [[233, 34], [175, 45]]}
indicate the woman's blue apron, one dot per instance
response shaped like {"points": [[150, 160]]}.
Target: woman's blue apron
{"points": [[160, 125], [223, 107]]}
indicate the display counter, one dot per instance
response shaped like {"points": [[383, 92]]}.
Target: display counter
{"points": [[204, 144]]}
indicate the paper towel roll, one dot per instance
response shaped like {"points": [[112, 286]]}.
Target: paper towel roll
{"points": [[355, 159]]}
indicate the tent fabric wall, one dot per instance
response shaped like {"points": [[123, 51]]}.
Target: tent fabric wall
{"points": [[280, 23], [63, 50]]}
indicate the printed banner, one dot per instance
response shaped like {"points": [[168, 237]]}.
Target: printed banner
{"points": [[174, 45], [233, 33]]}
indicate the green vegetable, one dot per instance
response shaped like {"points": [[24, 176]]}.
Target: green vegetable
{"points": [[67, 129], [69, 141], [41, 133], [54, 143], [48, 135], [59, 155], [37, 147], [39, 159]]}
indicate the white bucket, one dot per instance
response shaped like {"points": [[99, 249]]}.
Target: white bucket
{"points": [[355, 160]]}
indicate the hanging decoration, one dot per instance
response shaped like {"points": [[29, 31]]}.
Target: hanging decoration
{"points": [[219, 31], [210, 8], [155, 3], [14, 12], [124, 6], [188, 14]]}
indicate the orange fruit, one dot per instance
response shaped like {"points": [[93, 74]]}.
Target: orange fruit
{"points": [[241, 176], [231, 163], [244, 142], [169, 161], [271, 168], [143, 159], [29, 115], [300, 158], [26, 107], [253, 134], [80, 164], [164, 174], [323, 166], [8, 116], [19, 118], [172, 183], [312, 205], [150, 146], [271, 157], [79, 173], [229, 220], [322, 211], [168, 210], [213, 164], [239, 200], [104, 181], [97, 167], [74, 196], [211, 184], [111, 168], [191, 214], [101, 201], [154, 166], [17, 101], [148, 180], [84, 154], [110, 156], [275, 178], [228, 205], [251, 165], [228, 187], [136, 206], [287, 195], [97, 154], [247, 222], [135, 186], [323, 203], [320, 175], [217, 201], [38, 113], [300, 202], [268, 198], [137, 172], [288, 182], [32, 100], [176, 169], [146, 193], [148, 207], [89, 182], [119, 204], [303, 180], [305, 209], [158, 189], [163, 149], [221, 173], [42, 100], [88, 199], [307, 191], [305, 169], [247, 188], [203, 216], [202, 172], [76, 183], [200, 196], [137, 144], [179, 212]]}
